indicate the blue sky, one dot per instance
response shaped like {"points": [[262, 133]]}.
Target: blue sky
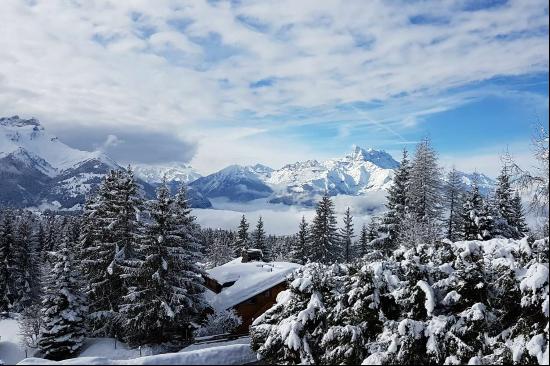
{"points": [[226, 82]]}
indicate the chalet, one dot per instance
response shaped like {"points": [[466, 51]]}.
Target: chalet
{"points": [[248, 285]]}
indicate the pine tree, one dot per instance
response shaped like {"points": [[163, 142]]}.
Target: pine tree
{"points": [[220, 251], [6, 252], [503, 205], [518, 218], [324, 235], [259, 239], [363, 241], [424, 193], [475, 219], [454, 195], [26, 273], [373, 228], [64, 306], [164, 294], [301, 243], [398, 199], [242, 240], [111, 226], [8, 291], [347, 236]]}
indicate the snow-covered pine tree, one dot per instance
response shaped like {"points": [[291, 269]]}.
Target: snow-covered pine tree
{"points": [[454, 195], [260, 240], [291, 331], [7, 242], [63, 305], [346, 234], [52, 230], [503, 205], [425, 190], [325, 245], [398, 200], [363, 244], [110, 227], [242, 240], [27, 271], [299, 252], [518, 217], [219, 252], [164, 293], [474, 221], [8, 250]]}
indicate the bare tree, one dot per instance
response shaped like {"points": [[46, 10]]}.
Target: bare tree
{"points": [[30, 323], [535, 180]]}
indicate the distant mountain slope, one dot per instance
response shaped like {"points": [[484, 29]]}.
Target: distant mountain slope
{"points": [[237, 183], [358, 173], [37, 169]]}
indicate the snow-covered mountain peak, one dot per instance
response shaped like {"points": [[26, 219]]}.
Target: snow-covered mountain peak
{"points": [[29, 135], [174, 172], [379, 158], [16, 121]]}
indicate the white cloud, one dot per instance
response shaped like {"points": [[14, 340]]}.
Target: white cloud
{"points": [[487, 160], [159, 66]]}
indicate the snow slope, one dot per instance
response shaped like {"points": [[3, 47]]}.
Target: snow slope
{"points": [[220, 353], [11, 350]]}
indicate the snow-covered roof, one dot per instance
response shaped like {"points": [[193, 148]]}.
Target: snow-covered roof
{"points": [[250, 278]]}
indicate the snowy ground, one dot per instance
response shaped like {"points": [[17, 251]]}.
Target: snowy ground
{"points": [[11, 350], [101, 351]]}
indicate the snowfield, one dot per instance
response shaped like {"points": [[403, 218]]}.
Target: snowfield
{"points": [[11, 350], [236, 354]]}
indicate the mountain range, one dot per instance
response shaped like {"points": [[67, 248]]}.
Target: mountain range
{"points": [[38, 170]]}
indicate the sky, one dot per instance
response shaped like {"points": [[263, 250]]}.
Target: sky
{"points": [[213, 83]]}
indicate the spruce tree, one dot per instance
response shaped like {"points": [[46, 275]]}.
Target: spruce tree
{"points": [[373, 228], [503, 205], [26, 272], [242, 240], [324, 235], [454, 195], [398, 200], [363, 241], [425, 190], [6, 249], [518, 217], [347, 236], [475, 216], [164, 293], [110, 228], [8, 292], [301, 244], [260, 240], [64, 308], [219, 252]]}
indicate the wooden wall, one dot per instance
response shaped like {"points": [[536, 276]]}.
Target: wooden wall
{"points": [[256, 306]]}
